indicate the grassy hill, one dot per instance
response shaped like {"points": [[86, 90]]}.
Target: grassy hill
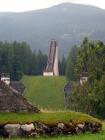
{"points": [[45, 92]]}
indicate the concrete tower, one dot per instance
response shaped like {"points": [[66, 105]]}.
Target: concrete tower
{"points": [[52, 63]]}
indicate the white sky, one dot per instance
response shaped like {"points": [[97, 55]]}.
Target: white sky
{"points": [[26, 5]]}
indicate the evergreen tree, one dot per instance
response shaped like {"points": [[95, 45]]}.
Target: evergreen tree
{"points": [[18, 59], [41, 62], [90, 97], [62, 66], [71, 63]]}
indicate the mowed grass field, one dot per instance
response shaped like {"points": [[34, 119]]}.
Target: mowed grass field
{"points": [[45, 92]]}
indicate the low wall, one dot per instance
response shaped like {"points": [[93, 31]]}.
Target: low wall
{"points": [[37, 129]]}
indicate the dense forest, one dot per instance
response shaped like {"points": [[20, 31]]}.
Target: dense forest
{"points": [[18, 59], [89, 58]]}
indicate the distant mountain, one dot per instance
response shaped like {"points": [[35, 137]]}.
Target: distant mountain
{"points": [[68, 23]]}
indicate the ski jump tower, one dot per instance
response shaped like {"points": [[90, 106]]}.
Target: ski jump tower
{"points": [[52, 63]]}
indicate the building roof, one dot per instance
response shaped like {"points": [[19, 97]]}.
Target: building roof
{"points": [[18, 86], [10, 101]]}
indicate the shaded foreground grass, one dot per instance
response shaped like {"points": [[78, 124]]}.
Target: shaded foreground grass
{"points": [[45, 92], [45, 117]]}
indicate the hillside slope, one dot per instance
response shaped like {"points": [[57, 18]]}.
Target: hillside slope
{"points": [[68, 23], [45, 92]]}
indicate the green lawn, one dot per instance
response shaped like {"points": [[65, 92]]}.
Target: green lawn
{"points": [[45, 92], [45, 117]]}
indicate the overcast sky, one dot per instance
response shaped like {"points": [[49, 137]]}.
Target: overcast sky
{"points": [[26, 5]]}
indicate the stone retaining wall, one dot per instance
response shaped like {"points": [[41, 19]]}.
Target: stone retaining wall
{"points": [[37, 129]]}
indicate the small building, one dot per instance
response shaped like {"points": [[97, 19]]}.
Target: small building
{"points": [[12, 101], [5, 77], [15, 86], [84, 78]]}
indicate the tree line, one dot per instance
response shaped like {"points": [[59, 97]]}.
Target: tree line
{"points": [[18, 59]]}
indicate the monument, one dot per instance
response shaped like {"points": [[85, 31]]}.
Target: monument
{"points": [[52, 62]]}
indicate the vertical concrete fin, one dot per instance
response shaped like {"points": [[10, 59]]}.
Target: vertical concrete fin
{"points": [[52, 63]]}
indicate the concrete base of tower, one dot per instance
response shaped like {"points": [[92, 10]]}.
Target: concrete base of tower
{"points": [[48, 74]]}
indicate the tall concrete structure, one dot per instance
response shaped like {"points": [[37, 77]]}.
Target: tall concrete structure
{"points": [[52, 63]]}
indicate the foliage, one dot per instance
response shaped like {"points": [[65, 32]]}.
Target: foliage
{"points": [[18, 59], [62, 66], [90, 97], [98, 97], [71, 64], [91, 59]]}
